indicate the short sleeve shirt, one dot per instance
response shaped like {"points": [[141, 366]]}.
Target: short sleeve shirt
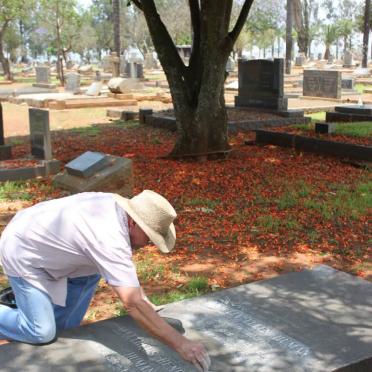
{"points": [[79, 235]]}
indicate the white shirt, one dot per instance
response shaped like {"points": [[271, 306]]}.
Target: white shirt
{"points": [[78, 235]]}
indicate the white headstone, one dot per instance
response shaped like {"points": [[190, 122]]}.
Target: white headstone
{"points": [[94, 89]]}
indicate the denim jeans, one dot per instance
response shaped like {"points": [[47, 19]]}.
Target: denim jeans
{"points": [[36, 319]]}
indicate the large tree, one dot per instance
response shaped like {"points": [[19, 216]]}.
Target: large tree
{"points": [[198, 89]]}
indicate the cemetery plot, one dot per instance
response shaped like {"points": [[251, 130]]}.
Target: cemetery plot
{"points": [[312, 321]]}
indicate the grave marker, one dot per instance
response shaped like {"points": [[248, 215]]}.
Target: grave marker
{"points": [[261, 84], [310, 321], [86, 164], [97, 172], [72, 82], [41, 146], [319, 83], [43, 77], [5, 150]]}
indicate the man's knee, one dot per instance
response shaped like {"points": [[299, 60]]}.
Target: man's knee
{"points": [[43, 334]]}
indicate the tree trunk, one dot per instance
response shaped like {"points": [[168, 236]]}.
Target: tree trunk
{"points": [[4, 61], [288, 38], [301, 22], [366, 33], [116, 23], [197, 89], [327, 53]]}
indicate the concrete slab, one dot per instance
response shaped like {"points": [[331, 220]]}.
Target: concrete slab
{"points": [[315, 320]]}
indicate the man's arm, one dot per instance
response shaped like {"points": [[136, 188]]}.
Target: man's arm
{"points": [[143, 313]]}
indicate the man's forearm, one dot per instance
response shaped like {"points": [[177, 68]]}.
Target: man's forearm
{"points": [[144, 314]]}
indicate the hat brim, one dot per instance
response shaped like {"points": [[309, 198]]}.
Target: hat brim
{"points": [[165, 244]]}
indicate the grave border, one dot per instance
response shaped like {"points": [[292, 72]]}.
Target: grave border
{"points": [[315, 145]]}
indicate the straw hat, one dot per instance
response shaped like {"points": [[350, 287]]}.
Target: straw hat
{"points": [[154, 215]]}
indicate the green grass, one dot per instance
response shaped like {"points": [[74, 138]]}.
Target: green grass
{"points": [[288, 200], [200, 202], [268, 223], [146, 270], [359, 88], [316, 116], [10, 190], [91, 131], [344, 201], [357, 129], [360, 129], [127, 124]]}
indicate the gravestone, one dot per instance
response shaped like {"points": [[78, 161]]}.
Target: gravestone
{"points": [[86, 164], [43, 77], [347, 83], [311, 321], [319, 56], [41, 146], [5, 150], [94, 89], [325, 128], [97, 172], [300, 59], [123, 63], [348, 59], [72, 82], [330, 60], [318, 83], [230, 65], [261, 84], [350, 113]]}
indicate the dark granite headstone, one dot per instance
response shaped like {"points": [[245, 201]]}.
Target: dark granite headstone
{"points": [[319, 83], [86, 164], [325, 128], [347, 83], [312, 321], [261, 84], [40, 134]]}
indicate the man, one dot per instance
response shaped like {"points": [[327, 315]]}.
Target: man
{"points": [[55, 252]]}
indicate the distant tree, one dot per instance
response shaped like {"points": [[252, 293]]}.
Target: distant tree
{"points": [[366, 31], [305, 12], [198, 89], [116, 23], [10, 12], [62, 19], [329, 34]]}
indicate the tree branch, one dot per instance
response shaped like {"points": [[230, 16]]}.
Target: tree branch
{"points": [[137, 3], [233, 35]]}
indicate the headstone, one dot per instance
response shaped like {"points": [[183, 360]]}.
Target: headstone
{"points": [[300, 59], [115, 176], [86, 164], [134, 70], [149, 61], [347, 83], [261, 84], [330, 59], [348, 59], [43, 77], [41, 146], [123, 63], [311, 321], [319, 56], [85, 70], [69, 64], [122, 85], [143, 113], [325, 128], [5, 150], [94, 89], [230, 65], [72, 82], [318, 83]]}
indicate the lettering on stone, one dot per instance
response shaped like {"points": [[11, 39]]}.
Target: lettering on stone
{"points": [[40, 134], [261, 84], [322, 83]]}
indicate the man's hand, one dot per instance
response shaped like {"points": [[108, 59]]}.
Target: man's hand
{"points": [[143, 313], [195, 353]]}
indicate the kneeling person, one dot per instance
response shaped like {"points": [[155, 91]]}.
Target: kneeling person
{"points": [[55, 252]]}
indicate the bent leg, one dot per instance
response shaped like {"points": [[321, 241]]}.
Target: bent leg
{"points": [[79, 294], [33, 320]]}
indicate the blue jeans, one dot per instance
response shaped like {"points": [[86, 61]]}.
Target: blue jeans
{"points": [[36, 319]]}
